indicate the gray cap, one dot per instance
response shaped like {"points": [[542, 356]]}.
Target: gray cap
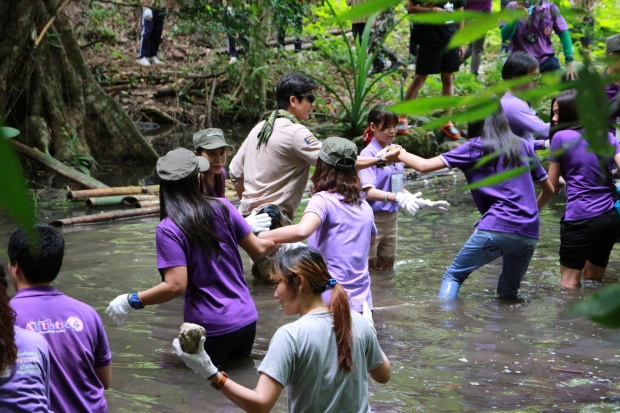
{"points": [[612, 44], [339, 153], [180, 163], [211, 138]]}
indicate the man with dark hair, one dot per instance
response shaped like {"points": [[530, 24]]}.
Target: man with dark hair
{"points": [[79, 353], [273, 164], [433, 55]]}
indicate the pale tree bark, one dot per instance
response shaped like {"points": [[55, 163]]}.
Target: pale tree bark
{"points": [[50, 95]]}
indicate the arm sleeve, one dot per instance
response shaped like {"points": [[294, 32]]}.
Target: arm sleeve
{"points": [[280, 358], [236, 166], [307, 146], [567, 45], [522, 117], [509, 30]]}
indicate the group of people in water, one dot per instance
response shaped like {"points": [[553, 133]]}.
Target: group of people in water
{"points": [[350, 224]]}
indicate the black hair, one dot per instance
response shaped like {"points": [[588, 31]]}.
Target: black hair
{"points": [[497, 138], [41, 258], [293, 84], [568, 117], [518, 64], [474, 129], [382, 117], [193, 212]]}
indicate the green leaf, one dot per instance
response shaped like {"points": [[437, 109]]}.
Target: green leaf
{"points": [[367, 8], [8, 133], [498, 178], [426, 105], [471, 114], [602, 306], [442, 18], [480, 24], [13, 196]]}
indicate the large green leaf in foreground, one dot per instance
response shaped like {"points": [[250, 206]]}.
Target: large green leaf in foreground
{"points": [[602, 306]]}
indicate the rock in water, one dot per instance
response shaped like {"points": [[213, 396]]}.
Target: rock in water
{"points": [[189, 337]]}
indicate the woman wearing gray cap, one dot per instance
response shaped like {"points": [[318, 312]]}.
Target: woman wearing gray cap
{"points": [[210, 144], [197, 243]]}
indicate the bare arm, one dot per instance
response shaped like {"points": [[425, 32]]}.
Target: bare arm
{"points": [[382, 373], [105, 375], [261, 399], [375, 194], [554, 175], [257, 247], [174, 284], [420, 164], [546, 193], [294, 233]]}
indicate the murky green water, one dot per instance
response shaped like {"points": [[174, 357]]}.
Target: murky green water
{"points": [[480, 355]]}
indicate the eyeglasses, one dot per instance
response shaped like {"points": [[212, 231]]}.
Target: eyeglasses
{"points": [[311, 98]]}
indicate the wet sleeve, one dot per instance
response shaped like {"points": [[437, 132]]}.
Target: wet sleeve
{"points": [[307, 146], [279, 361]]}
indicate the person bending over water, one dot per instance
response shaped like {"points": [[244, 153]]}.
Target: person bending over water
{"points": [[197, 243], [590, 226], [322, 359], [510, 222]]}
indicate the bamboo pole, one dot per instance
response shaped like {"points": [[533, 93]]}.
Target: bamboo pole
{"points": [[105, 200], [120, 190], [147, 204], [56, 166], [136, 199], [106, 216]]}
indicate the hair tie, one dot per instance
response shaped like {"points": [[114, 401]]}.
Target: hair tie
{"points": [[368, 135], [331, 283]]}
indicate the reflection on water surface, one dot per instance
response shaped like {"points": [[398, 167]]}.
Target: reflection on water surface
{"points": [[480, 355]]}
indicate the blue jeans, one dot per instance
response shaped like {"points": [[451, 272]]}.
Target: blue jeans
{"points": [[483, 247]]}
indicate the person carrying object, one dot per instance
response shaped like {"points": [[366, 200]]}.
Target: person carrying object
{"points": [[197, 242]]}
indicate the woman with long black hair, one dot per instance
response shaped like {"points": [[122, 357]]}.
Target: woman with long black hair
{"points": [[197, 256]]}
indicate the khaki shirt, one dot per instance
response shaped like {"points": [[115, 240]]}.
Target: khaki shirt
{"points": [[277, 172]]}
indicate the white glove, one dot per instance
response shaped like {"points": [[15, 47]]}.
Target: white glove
{"points": [[200, 362], [119, 309], [437, 206], [147, 14], [407, 202], [291, 246], [367, 314], [259, 223]]}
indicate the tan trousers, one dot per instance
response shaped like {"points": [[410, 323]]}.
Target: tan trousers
{"points": [[382, 254]]}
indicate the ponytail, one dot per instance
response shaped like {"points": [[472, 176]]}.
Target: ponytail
{"points": [[341, 312]]}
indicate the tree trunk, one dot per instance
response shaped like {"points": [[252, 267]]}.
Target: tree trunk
{"points": [[50, 95]]}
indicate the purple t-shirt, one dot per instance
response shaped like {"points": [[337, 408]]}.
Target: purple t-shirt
{"points": [[613, 94], [479, 5], [24, 387], [588, 191], [77, 344], [523, 120], [509, 206], [343, 238], [544, 20], [380, 178], [217, 296]]}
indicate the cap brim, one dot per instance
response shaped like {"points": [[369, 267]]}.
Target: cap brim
{"points": [[203, 164], [215, 146]]}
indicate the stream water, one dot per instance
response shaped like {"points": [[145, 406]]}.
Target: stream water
{"points": [[481, 354]]}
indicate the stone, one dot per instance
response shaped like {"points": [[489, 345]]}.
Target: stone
{"points": [[189, 337]]}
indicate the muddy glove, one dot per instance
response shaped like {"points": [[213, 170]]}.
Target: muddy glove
{"points": [[367, 314], [407, 202], [147, 14], [258, 222], [437, 206], [123, 305], [200, 362]]}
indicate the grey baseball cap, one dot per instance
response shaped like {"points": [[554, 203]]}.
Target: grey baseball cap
{"points": [[211, 138], [180, 163], [339, 153], [612, 44]]}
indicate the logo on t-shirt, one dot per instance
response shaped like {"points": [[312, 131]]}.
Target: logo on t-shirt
{"points": [[48, 326], [310, 140]]}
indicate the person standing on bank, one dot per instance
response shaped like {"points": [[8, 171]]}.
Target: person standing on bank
{"points": [[272, 165], [433, 55], [509, 227], [323, 359], [532, 34], [197, 255], [591, 225], [385, 190], [152, 23]]}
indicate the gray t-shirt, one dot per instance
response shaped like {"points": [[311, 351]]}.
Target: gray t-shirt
{"points": [[303, 358]]}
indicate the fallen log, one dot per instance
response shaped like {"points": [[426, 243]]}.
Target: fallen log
{"points": [[56, 166], [106, 216], [119, 190]]}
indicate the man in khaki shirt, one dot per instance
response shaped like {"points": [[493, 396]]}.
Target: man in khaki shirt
{"points": [[273, 164]]}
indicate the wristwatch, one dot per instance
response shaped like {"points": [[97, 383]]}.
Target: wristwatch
{"points": [[380, 162], [134, 301]]}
